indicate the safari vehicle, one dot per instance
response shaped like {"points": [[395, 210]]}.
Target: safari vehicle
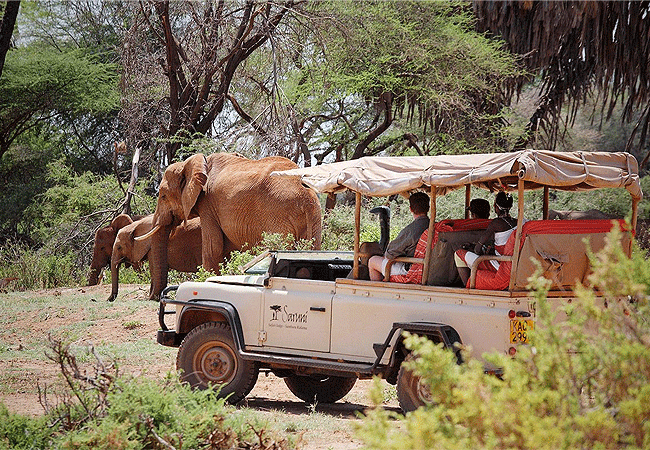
{"points": [[301, 316]]}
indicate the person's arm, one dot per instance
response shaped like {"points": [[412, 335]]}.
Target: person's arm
{"points": [[485, 237], [396, 246]]}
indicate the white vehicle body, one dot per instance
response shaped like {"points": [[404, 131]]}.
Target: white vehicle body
{"points": [[323, 332]]}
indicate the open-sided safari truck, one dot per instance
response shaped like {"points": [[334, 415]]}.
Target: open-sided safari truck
{"points": [[297, 315]]}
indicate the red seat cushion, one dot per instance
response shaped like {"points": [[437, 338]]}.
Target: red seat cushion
{"points": [[500, 280], [414, 274]]}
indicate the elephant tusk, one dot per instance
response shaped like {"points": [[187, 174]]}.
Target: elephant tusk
{"points": [[147, 235]]}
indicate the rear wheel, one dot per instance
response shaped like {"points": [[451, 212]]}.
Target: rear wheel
{"points": [[412, 392], [319, 389], [208, 356]]}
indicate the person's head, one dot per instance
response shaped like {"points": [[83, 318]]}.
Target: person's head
{"points": [[419, 203], [480, 208], [502, 202]]}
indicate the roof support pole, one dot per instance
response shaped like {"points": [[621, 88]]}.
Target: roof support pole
{"points": [[633, 220], [432, 224], [468, 194], [545, 204], [520, 224], [357, 235]]}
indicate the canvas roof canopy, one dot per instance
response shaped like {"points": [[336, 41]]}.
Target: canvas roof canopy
{"points": [[383, 176]]}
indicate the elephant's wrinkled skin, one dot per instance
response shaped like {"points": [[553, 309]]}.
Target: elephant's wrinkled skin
{"points": [[237, 200], [103, 246], [591, 214], [183, 252]]}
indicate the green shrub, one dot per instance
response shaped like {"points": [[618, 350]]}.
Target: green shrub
{"points": [[37, 269], [270, 241], [583, 383], [101, 410], [21, 432]]}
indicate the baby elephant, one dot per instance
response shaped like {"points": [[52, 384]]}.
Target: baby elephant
{"points": [[183, 252]]}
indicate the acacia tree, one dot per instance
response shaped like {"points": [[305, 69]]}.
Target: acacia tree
{"points": [[576, 48], [180, 59], [41, 86], [383, 76]]}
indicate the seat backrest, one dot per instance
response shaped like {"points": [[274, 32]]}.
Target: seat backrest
{"points": [[445, 275], [450, 236], [560, 247]]}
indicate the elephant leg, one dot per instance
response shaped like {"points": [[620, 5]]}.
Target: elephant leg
{"points": [[212, 242]]}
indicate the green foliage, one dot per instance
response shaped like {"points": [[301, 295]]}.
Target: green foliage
{"points": [[40, 85], [69, 198], [426, 55], [101, 410], [270, 241], [36, 269], [583, 383], [20, 432], [203, 274], [128, 275], [143, 413]]}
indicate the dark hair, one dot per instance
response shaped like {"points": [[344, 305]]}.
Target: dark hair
{"points": [[503, 201], [419, 203], [480, 207]]}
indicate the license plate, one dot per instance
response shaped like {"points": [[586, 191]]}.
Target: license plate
{"points": [[519, 329]]}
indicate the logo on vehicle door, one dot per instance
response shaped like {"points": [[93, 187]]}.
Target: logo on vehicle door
{"points": [[284, 315]]}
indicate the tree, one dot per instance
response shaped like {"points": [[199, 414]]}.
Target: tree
{"points": [[400, 75], [195, 49], [7, 28], [577, 47], [41, 85]]}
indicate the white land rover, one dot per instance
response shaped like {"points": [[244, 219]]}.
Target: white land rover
{"points": [[309, 318]]}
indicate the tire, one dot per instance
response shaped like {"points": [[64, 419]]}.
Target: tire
{"points": [[208, 356], [319, 389], [412, 393]]}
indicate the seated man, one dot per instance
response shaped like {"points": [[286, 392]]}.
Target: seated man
{"points": [[405, 242]]}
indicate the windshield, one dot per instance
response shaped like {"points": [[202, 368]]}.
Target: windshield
{"points": [[260, 265]]}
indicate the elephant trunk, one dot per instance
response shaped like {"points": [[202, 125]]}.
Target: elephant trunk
{"points": [[115, 278], [158, 263], [93, 276]]}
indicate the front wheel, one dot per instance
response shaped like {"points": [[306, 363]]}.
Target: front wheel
{"points": [[208, 356], [319, 389], [412, 392]]}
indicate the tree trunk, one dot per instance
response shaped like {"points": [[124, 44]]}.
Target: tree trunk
{"points": [[7, 29], [386, 102]]}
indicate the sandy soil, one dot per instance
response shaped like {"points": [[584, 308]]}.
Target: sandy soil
{"points": [[270, 395]]}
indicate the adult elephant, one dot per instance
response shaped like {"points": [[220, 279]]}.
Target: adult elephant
{"points": [[237, 200], [103, 246], [590, 214], [183, 251]]}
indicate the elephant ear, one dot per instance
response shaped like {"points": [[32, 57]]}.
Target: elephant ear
{"points": [[195, 175], [120, 222]]}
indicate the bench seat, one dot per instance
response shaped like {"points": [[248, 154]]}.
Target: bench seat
{"points": [[559, 247], [448, 236]]}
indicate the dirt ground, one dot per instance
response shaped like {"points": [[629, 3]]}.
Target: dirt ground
{"points": [[270, 396]]}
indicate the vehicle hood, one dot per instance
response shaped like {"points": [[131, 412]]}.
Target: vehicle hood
{"points": [[257, 280]]}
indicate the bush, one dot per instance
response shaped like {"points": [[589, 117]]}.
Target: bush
{"points": [[36, 269], [101, 410], [270, 241], [583, 383], [20, 432]]}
